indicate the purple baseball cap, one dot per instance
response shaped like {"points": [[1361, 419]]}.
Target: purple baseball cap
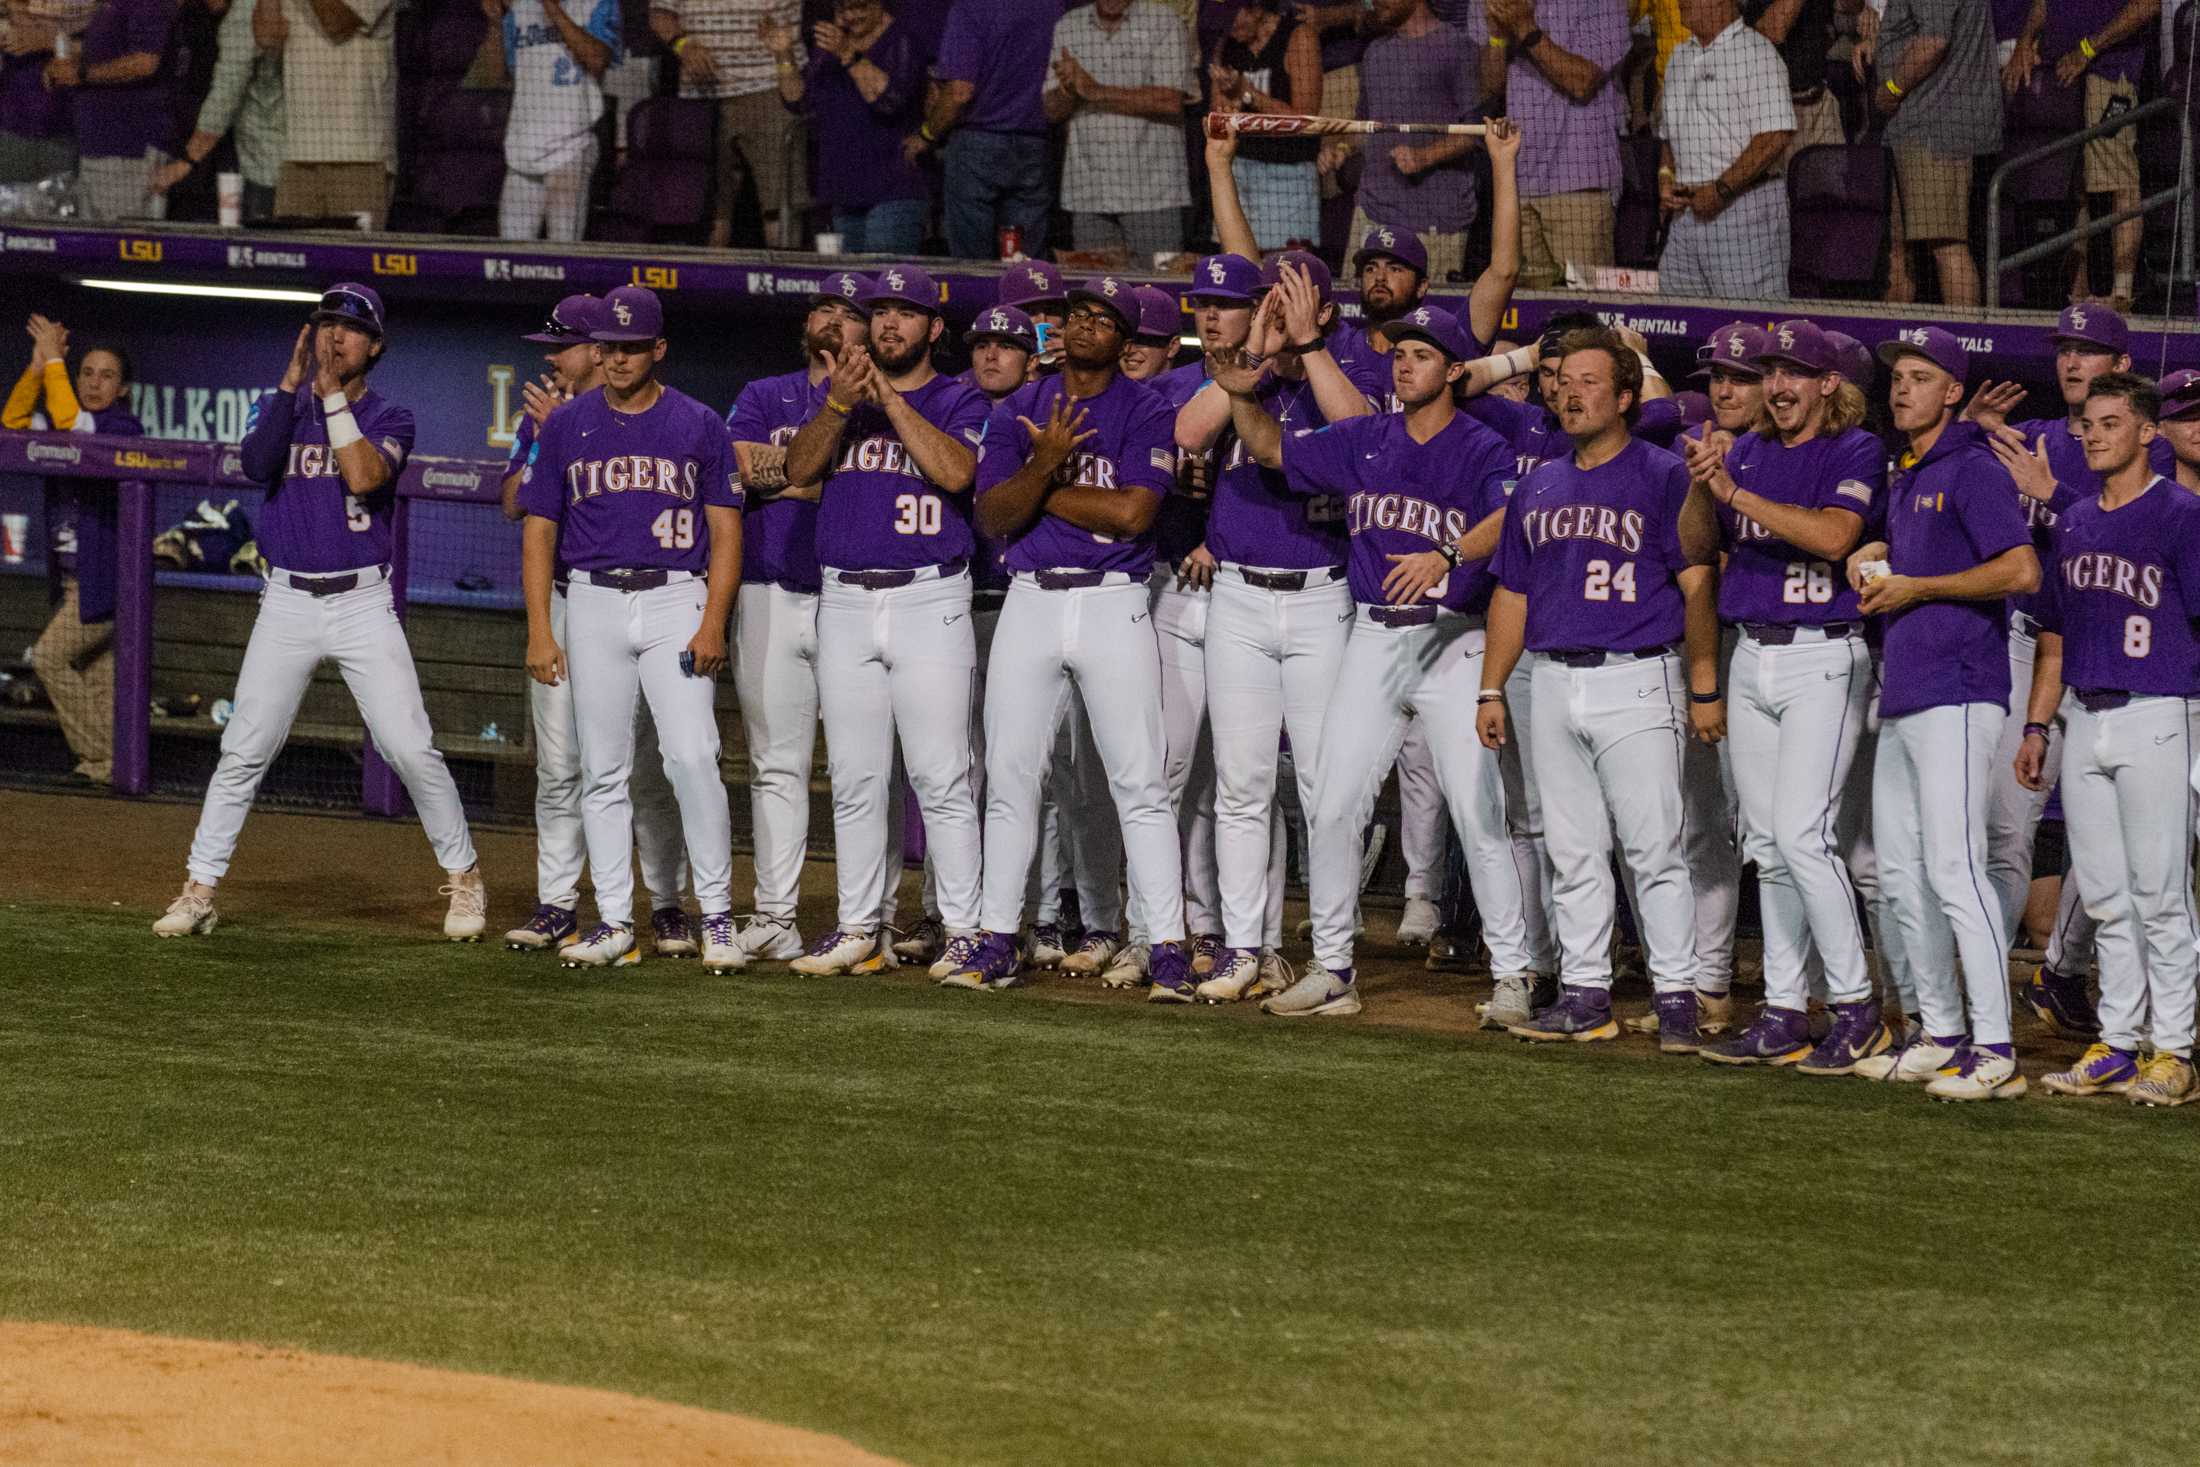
{"points": [[1434, 325], [1004, 323], [1695, 409], [2180, 394], [1933, 344], [1031, 283], [575, 320], [1798, 343], [1734, 347], [1325, 284], [1113, 293], [354, 304], [844, 286], [2094, 326], [1852, 359], [630, 313], [1402, 245], [1225, 278], [1160, 318], [905, 285]]}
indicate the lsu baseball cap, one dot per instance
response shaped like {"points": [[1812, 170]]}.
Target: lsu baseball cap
{"points": [[1031, 283], [1402, 245], [1798, 343], [356, 305], [573, 321], [1933, 344], [1160, 318], [1434, 325], [1852, 359], [2180, 394], [1112, 293], [1324, 283], [630, 313], [904, 285], [844, 286], [1225, 278], [2094, 326], [1694, 408], [1734, 347], [1004, 323]]}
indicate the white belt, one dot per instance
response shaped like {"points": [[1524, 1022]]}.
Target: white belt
{"points": [[363, 577]]}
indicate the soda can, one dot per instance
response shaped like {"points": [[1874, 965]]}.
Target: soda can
{"points": [[1012, 241]]}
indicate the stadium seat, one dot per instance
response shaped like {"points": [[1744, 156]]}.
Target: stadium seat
{"points": [[458, 171], [1637, 230], [663, 190], [1837, 211], [2041, 200]]}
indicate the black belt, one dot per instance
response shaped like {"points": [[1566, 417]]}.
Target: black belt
{"points": [[1275, 580], [630, 580], [1068, 580], [1774, 634], [887, 580], [2097, 700], [1401, 616], [1597, 656], [325, 585], [1807, 95]]}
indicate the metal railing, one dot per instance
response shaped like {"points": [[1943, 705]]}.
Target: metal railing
{"points": [[2061, 243]]}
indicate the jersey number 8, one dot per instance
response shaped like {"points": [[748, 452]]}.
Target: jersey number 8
{"points": [[916, 514], [2138, 636], [1808, 582], [1603, 581], [675, 529]]}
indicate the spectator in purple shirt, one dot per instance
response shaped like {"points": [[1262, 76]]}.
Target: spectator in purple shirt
{"points": [[36, 138], [118, 75], [988, 125], [1421, 71], [863, 91]]}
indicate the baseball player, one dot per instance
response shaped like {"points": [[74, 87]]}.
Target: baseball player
{"points": [[894, 444], [1956, 545], [1072, 474], [632, 490], [1425, 490], [556, 64], [2128, 590], [1792, 503], [1036, 288], [329, 448], [1153, 343], [559, 847], [775, 625], [1600, 578], [1280, 609]]}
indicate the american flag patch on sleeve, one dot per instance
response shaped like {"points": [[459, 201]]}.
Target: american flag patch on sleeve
{"points": [[1852, 489], [394, 452], [1165, 460]]}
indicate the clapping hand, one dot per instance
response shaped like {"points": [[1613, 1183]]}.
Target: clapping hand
{"points": [[1237, 373], [2034, 475], [301, 359], [49, 340], [539, 399]]}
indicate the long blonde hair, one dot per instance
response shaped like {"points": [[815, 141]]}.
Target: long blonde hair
{"points": [[1847, 409]]}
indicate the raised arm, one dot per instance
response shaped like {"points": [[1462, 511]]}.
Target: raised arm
{"points": [[1493, 288]]}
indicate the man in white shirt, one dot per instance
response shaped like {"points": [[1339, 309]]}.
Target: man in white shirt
{"points": [[340, 78], [1725, 115], [1122, 78], [556, 67]]}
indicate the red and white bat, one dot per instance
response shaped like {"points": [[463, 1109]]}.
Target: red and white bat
{"points": [[1292, 125]]}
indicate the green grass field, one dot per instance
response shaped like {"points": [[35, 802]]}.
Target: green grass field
{"points": [[1006, 1228]]}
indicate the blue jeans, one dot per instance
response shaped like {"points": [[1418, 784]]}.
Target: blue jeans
{"points": [[995, 179], [895, 227]]}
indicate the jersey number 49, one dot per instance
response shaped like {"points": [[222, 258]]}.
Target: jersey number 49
{"points": [[675, 529]]}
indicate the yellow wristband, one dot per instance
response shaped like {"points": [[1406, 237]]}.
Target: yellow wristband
{"points": [[1892, 88], [1497, 43], [679, 44], [2085, 44], [837, 406]]}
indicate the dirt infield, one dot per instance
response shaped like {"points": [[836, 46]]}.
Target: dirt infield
{"points": [[89, 1397]]}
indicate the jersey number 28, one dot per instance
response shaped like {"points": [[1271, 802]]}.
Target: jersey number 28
{"points": [[1603, 581], [675, 529], [916, 514]]}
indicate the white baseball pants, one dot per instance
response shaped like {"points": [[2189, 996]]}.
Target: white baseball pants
{"points": [[1391, 677], [1272, 661], [1101, 639], [2013, 812], [1180, 625], [2131, 840], [622, 648], [1608, 751], [360, 632], [560, 849], [555, 203], [900, 662], [1897, 985], [1421, 813], [1082, 810], [1524, 809], [775, 677], [1794, 714], [1931, 785], [2072, 945]]}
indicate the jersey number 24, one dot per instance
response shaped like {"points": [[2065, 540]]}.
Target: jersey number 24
{"points": [[1603, 581]]}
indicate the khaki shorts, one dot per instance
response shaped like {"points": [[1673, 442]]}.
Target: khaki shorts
{"points": [[1817, 124], [334, 191], [1561, 229], [1932, 196], [2111, 163], [758, 136]]}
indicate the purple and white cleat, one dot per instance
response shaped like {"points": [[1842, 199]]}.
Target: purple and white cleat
{"points": [[1170, 969], [1856, 1036], [993, 963], [1676, 1012], [1776, 1036], [1582, 1015]]}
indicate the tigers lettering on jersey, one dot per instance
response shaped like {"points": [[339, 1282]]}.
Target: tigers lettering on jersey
{"points": [[2102, 570], [1405, 514], [1621, 529], [877, 455], [318, 460], [630, 473]]}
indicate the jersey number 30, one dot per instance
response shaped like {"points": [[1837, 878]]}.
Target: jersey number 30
{"points": [[916, 514], [1603, 581], [675, 529]]}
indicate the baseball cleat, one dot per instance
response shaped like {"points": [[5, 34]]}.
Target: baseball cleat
{"points": [[1418, 923], [605, 946], [1043, 949], [1856, 1036], [769, 939], [956, 953], [2101, 1070], [671, 935], [1980, 1072], [1881, 1066], [1776, 1036], [1130, 965], [1582, 1015], [722, 950], [1207, 950], [1237, 970], [924, 942], [468, 915], [1545, 991], [2061, 1003], [1714, 1015], [549, 927], [1320, 993], [1093, 954], [992, 964], [836, 952], [191, 914], [1508, 1003], [881, 960], [1926, 1058], [1446, 955], [2164, 1080], [1676, 1011], [1171, 970], [1275, 974]]}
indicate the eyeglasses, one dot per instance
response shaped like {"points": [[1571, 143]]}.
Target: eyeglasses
{"points": [[1095, 313]]}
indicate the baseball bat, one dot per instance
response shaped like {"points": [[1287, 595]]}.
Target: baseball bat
{"points": [[1292, 125]]}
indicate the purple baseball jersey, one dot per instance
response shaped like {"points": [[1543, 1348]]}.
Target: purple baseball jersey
{"points": [[1133, 448], [1767, 579], [1529, 427], [1597, 552], [2127, 591], [628, 490], [311, 523], [1948, 512], [2074, 483], [879, 511], [1403, 497], [1181, 526], [1254, 518], [778, 536]]}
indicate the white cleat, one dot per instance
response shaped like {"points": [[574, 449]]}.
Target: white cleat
{"points": [[605, 946], [468, 916], [1275, 974], [1129, 967], [923, 943], [1979, 1074], [1093, 954], [839, 952], [1509, 1001], [958, 954], [191, 914], [1418, 924], [1236, 974], [769, 939], [1043, 948], [1319, 993], [1922, 1062], [722, 950]]}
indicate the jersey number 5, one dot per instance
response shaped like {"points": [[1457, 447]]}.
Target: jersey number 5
{"points": [[675, 529], [916, 514], [356, 518], [1603, 581]]}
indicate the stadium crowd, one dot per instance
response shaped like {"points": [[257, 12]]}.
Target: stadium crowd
{"points": [[1655, 131]]}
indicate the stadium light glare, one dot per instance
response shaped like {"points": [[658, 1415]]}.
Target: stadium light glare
{"points": [[219, 292]]}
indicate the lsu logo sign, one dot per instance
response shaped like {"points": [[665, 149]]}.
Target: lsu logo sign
{"points": [[389, 263], [139, 251], [657, 277]]}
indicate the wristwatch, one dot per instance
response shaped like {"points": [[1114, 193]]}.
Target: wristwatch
{"points": [[1450, 551]]}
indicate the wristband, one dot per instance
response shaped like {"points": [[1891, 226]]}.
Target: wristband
{"points": [[927, 134], [2036, 728], [1893, 89], [2085, 45], [1302, 348], [1649, 368], [343, 428], [1723, 189], [1489, 695], [835, 405], [1695, 697], [1520, 361], [1450, 551], [679, 44]]}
